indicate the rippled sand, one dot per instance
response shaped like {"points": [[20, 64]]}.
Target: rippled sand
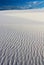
{"points": [[21, 38], [21, 48]]}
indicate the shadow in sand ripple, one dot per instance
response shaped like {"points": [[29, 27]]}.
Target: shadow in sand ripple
{"points": [[12, 60], [3, 60]]}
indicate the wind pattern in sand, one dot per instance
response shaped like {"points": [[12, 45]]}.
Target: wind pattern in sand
{"points": [[21, 48]]}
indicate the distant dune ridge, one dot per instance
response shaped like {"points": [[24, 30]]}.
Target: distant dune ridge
{"points": [[22, 37]]}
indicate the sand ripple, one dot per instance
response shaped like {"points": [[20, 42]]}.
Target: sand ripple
{"points": [[21, 48]]}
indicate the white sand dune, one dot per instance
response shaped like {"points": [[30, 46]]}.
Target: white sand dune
{"points": [[22, 37], [23, 19], [32, 15]]}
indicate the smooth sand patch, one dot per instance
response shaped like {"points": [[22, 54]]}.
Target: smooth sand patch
{"points": [[23, 19]]}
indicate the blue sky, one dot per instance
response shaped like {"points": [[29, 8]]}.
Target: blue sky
{"points": [[23, 3], [20, 0]]}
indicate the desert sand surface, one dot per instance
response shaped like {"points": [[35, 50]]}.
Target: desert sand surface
{"points": [[22, 37], [23, 19]]}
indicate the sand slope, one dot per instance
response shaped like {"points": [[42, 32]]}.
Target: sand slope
{"points": [[23, 19], [22, 37]]}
